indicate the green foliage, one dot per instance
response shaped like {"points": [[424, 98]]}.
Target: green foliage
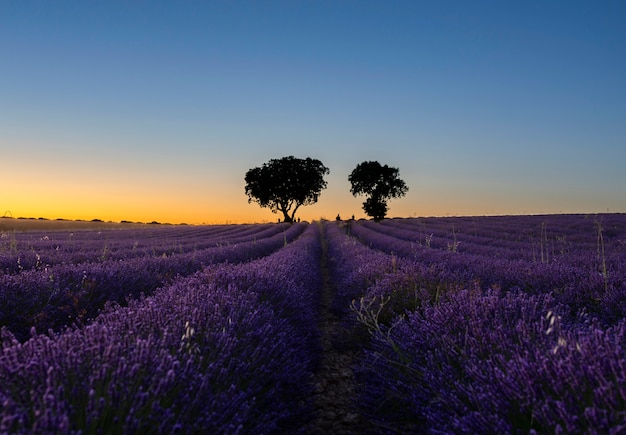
{"points": [[283, 185], [379, 183]]}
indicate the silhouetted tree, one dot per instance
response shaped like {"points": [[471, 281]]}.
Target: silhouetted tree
{"points": [[380, 183], [285, 184]]}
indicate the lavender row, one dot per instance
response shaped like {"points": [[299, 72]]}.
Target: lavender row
{"points": [[352, 267], [219, 352], [145, 237], [69, 293], [597, 284], [36, 251], [505, 229], [445, 359], [532, 238], [494, 360]]}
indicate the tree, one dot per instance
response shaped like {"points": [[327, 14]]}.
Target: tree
{"points": [[281, 184], [380, 183]]}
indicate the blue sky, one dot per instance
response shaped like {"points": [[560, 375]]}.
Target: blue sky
{"points": [[155, 110]]}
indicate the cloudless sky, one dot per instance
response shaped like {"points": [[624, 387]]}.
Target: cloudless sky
{"points": [[153, 110]]}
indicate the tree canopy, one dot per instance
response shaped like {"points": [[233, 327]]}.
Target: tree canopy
{"points": [[283, 185], [379, 183]]}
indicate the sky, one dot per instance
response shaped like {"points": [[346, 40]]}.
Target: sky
{"points": [[154, 111]]}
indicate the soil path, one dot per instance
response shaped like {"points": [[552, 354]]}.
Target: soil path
{"points": [[335, 387]]}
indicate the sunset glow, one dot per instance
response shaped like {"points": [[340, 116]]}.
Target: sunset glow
{"points": [[154, 111]]}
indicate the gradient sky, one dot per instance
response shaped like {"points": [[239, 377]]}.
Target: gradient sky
{"points": [[151, 110]]}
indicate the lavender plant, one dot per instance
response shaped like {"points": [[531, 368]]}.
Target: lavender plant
{"points": [[511, 356], [476, 338], [68, 293], [218, 352]]}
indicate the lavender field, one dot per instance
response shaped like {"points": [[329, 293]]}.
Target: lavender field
{"points": [[512, 324]]}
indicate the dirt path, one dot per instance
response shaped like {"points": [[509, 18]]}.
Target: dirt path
{"points": [[335, 388]]}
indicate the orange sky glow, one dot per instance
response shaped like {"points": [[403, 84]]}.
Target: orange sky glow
{"points": [[485, 109]]}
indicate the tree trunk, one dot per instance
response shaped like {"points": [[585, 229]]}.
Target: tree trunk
{"points": [[286, 218]]}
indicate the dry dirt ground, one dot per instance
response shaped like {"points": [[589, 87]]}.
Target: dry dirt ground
{"points": [[334, 383]]}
